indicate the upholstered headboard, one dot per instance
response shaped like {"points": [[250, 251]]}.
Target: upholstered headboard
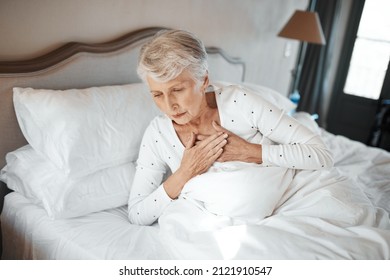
{"points": [[78, 65]]}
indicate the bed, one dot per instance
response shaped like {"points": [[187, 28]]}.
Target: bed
{"points": [[69, 193]]}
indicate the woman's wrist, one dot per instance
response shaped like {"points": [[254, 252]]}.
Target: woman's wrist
{"points": [[253, 153], [175, 183]]}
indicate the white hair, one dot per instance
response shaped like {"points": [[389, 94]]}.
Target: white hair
{"points": [[169, 53]]}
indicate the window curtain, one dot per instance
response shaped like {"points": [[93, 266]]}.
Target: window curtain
{"points": [[317, 59]]}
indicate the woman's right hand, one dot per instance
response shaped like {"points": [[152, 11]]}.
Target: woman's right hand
{"points": [[197, 159]]}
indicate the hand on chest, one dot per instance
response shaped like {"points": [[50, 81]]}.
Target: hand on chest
{"points": [[204, 129]]}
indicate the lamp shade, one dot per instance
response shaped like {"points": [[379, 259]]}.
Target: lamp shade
{"points": [[304, 26]]}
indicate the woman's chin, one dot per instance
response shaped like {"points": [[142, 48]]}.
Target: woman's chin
{"points": [[179, 121], [183, 119]]}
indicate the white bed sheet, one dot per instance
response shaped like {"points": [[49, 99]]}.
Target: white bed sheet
{"points": [[294, 232], [28, 233]]}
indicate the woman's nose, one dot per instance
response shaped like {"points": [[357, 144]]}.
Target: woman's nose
{"points": [[171, 104]]}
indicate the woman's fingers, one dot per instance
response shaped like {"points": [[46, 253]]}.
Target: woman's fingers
{"points": [[218, 147], [219, 128], [216, 155], [211, 148], [212, 140], [201, 137]]}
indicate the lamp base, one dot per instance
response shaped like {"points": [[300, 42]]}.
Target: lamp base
{"points": [[295, 97]]}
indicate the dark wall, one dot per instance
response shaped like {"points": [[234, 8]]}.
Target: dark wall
{"points": [[3, 192]]}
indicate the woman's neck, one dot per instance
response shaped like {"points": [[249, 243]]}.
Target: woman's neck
{"points": [[202, 124]]}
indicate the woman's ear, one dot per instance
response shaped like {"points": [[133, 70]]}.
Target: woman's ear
{"points": [[206, 81]]}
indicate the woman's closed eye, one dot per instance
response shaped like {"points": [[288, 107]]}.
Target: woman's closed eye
{"points": [[157, 94], [177, 89]]}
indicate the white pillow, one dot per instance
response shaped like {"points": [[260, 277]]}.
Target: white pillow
{"points": [[268, 94], [244, 191], [38, 179], [84, 130]]}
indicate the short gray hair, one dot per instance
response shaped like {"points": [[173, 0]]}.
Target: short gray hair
{"points": [[169, 52]]}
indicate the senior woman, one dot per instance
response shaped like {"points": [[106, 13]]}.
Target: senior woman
{"points": [[202, 126]]}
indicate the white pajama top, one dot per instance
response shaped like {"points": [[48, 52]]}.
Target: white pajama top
{"points": [[285, 143]]}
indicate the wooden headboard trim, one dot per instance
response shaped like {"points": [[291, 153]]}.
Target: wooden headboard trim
{"points": [[68, 50], [64, 52]]}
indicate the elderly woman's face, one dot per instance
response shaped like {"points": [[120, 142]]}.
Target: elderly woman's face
{"points": [[180, 99]]}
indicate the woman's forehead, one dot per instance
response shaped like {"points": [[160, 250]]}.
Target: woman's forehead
{"points": [[182, 78]]}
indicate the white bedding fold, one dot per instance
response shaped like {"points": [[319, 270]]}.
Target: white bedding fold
{"points": [[244, 191]]}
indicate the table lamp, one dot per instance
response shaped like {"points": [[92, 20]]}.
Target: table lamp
{"points": [[304, 26]]}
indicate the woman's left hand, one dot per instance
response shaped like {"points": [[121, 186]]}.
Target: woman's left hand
{"points": [[236, 149]]}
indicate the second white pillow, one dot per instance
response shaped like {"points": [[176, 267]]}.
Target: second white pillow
{"points": [[38, 179]]}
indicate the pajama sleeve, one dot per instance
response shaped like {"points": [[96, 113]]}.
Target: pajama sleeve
{"points": [[295, 146], [148, 198]]}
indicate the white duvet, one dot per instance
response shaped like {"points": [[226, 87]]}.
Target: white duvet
{"points": [[321, 215]]}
